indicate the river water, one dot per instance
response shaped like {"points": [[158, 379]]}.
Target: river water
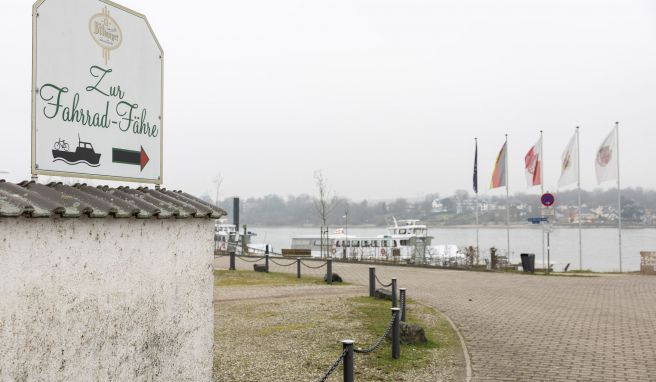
{"points": [[600, 245]]}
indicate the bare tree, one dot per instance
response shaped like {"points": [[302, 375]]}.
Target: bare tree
{"points": [[325, 201], [324, 205], [218, 181]]}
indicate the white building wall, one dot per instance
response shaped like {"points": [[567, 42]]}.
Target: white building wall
{"points": [[106, 299]]}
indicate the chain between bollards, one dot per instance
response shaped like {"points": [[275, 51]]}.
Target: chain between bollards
{"points": [[402, 301], [396, 334], [372, 281], [394, 299], [298, 267], [348, 360]]}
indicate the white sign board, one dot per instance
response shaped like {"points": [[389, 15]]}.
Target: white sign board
{"points": [[96, 92]]}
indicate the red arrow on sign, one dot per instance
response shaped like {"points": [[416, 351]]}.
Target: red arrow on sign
{"points": [[134, 157], [144, 158]]}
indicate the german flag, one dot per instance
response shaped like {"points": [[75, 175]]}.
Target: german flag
{"points": [[499, 173]]}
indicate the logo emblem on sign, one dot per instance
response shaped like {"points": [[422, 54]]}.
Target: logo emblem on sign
{"points": [[604, 156], [105, 32]]}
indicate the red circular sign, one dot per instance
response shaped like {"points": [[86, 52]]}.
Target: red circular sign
{"points": [[547, 199]]}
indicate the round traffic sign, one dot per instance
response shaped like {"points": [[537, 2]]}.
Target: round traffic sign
{"points": [[547, 199]]}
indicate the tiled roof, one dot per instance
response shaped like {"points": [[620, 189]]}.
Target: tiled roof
{"points": [[35, 200]]}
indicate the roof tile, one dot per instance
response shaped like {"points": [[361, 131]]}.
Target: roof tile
{"points": [[33, 199]]}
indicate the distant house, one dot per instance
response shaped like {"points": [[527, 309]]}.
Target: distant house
{"points": [[605, 214], [437, 207]]}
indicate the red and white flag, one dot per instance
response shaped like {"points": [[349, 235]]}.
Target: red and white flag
{"points": [[533, 165], [606, 158]]}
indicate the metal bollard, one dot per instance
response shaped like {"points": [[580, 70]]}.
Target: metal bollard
{"points": [[329, 271], [232, 261], [396, 334], [402, 298], [266, 263], [394, 299], [372, 281], [298, 267], [348, 360]]}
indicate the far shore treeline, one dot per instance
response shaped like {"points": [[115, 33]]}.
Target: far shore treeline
{"points": [[598, 209]]}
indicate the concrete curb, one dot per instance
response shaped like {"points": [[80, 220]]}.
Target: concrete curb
{"points": [[465, 351]]}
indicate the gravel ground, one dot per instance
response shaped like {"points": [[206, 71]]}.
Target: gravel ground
{"points": [[293, 333]]}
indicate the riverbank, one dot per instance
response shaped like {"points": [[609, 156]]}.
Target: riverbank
{"points": [[625, 226], [599, 245]]}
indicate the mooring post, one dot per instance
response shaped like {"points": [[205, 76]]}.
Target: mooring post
{"points": [[396, 334], [347, 346], [244, 241], [394, 300], [298, 267], [402, 298], [329, 271], [266, 263], [372, 281], [232, 261]]}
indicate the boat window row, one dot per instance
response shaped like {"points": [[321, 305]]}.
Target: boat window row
{"points": [[361, 243], [404, 231]]}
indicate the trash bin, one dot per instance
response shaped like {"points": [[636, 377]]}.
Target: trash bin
{"points": [[528, 262]]}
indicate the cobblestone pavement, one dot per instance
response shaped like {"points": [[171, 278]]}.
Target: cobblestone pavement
{"points": [[535, 328]]}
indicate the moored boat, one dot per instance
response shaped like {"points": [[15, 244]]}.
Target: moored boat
{"points": [[406, 241]]}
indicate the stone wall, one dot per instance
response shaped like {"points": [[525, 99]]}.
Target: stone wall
{"points": [[106, 299]]}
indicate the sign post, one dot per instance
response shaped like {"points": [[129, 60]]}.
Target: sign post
{"points": [[97, 72], [547, 199]]}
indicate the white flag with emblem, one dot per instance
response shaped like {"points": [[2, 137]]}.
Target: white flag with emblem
{"points": [[606, 158], [569, 166]]}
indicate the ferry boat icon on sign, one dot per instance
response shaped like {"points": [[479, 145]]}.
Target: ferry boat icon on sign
{"points": [[84, 153]]}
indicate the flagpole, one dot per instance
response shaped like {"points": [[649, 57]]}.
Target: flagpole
{"points": [[619, 192], [578, 182], [542, 188], [507, 203], [476, 208]]}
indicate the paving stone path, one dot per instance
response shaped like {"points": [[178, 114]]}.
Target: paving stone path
{"points": [[535, 328]]}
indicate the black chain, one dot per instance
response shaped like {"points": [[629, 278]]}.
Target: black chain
{"points": [[333, 367], [250, 261], [377, 344], [381, 283], [282, 265], [309, 266]]}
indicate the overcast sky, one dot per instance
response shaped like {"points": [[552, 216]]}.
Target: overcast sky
{"points": [[385, 96]]}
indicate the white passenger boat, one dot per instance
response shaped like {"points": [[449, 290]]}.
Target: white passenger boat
{"points": [[226, 237], [406, 241]]}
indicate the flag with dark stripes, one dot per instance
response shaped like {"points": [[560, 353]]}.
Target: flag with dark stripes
{"points": [[476, 167]]}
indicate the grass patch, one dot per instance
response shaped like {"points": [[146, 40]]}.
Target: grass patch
{"points": [[285, 328], [375, 315], [225, 278], [298, 338]]}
